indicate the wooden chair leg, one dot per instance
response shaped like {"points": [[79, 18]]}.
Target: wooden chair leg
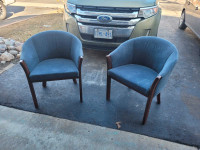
{"points": [[44, 83], [146, 113], [158, 98], [74, 80], [108, 88], [80, 88], [33, 94]]}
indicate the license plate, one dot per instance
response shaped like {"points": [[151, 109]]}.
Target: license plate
{"points": [[103, 34]]}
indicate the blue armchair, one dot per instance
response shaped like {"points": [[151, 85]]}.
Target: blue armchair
{"points": [[144, 65], [52, 55]]}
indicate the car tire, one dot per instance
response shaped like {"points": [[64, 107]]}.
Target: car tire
{"points": [[182, 24], [2, 11]]}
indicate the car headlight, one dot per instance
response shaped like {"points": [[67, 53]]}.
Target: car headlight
{"points": [[148, 12], [71, 8]]}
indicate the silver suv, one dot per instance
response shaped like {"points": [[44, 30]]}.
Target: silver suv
{"points": [[190, 16]]}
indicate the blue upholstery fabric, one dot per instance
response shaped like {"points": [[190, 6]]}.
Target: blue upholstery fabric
{"points": [[138, 77], [54, 69], [49, 45], [52, 55], [152, 52]]}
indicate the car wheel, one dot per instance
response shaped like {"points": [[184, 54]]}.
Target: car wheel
{"points": [[182, 24], [2, 11]]}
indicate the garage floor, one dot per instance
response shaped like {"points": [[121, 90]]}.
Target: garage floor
{"points": [[176, 119]]}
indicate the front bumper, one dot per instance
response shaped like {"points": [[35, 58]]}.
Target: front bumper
{"points": [[145, 27]]}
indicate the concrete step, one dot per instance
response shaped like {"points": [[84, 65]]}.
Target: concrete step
{"points": [[26, 130]]}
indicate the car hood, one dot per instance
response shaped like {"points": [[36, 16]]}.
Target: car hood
{"points": [[115, 3]]}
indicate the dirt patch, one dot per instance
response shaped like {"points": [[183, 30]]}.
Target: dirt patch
{"points": [[21, 31]]}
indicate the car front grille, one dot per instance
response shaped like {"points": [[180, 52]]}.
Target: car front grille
{"points": [[122, 23]]}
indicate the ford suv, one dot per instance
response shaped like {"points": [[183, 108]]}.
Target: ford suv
{"points": [[108, 23]]}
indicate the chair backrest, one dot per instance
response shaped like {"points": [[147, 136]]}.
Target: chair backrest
{"points": [[152, 52], [47, 45]]}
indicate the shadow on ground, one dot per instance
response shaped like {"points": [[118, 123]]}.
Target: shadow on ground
{"points": [[175, 119], [11, 10]]}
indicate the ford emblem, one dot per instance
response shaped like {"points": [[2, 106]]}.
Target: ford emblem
{"points": [[104, 18]]}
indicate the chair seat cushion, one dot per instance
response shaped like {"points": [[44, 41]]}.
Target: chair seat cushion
{"points": [[54, 69], [138, 77]]}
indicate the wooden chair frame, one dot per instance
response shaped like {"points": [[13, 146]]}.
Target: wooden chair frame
{"points": [[150, 96], [44, 83]]}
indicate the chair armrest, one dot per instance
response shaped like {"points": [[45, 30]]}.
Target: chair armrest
{"points": [[122, 55], [80, 63], [109, 62], [76, 52], [166, 71], [155, 84], [25, 67]]}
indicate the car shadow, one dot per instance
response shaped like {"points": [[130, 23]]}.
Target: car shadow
{"points": [[11, 10]]}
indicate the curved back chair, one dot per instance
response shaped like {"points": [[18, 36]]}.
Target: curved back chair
{"points": [[144, 65], [52, 55]]}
